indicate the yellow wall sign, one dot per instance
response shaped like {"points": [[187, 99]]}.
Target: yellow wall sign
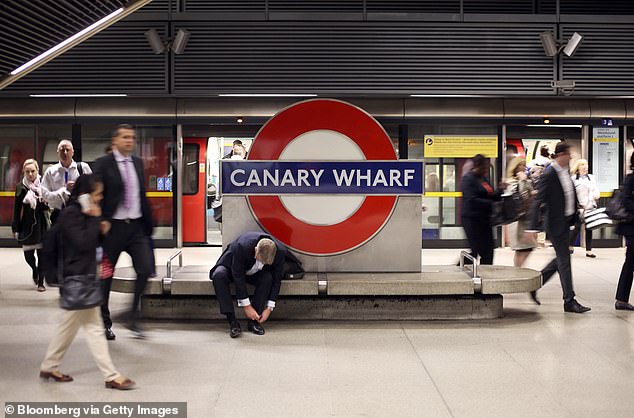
{"points": [[443, 146]]}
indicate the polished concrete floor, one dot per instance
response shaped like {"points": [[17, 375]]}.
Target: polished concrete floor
{"points": [[535, 362]]}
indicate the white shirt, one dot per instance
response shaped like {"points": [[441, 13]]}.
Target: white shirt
{"points": [[54, 182], [134, 211], [566, 184], [587, 191]]}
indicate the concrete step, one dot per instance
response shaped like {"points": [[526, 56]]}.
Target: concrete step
{"points": [[433, 280]]}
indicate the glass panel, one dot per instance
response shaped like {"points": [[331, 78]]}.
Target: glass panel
{"points": [[48, 136], [17, 144], [154, 146], [190, 169]]}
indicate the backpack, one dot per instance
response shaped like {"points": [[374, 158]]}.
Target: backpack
{"points": [[292, 267], [51, 258]]}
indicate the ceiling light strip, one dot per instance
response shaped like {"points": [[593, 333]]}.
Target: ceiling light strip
{"points": [[67, 44]]}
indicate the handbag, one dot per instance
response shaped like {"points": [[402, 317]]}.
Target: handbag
{"points": [[507, 210], [596, 218], [615, 209], [82, 291]]}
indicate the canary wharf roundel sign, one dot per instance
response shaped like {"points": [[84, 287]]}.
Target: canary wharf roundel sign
{"points": [[322, 177]]}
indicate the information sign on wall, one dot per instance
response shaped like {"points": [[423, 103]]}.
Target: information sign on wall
{"points": [[444, 146], [605, 158]]}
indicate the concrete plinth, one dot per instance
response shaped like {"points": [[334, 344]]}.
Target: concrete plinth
{"points": [[338, 308]]}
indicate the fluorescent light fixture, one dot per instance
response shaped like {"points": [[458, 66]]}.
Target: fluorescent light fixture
{"points": [[264, 95], [78, 95], [180, 41], [552, 126], [446, 95], [66, 42], [573, 44]]}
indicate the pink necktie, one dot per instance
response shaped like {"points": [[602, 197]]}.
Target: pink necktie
{"points": [[127, 184]]}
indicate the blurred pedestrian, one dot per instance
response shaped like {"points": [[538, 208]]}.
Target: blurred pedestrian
{"points": [[587, 197], [627, 230], [31, 218], [81, 230], [477, 206], [126, 210], [556, 193], [519, 184]]}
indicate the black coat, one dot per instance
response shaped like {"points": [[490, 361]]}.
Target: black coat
{"points": [[106, 167], [80, 238], [477, 202], [550, 197], [239, 257], [30, 224], [627, 228]]}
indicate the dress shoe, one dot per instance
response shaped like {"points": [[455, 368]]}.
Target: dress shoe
{"points": [[109, 334], [591, 255], [41, 289], [256, 328], [234, 329], [534, 297], [135, 328], [125, 384], [575, 307], [623, 306], [56, 376]]}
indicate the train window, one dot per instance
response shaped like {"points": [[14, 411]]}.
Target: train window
{"points": [[190, 168]]}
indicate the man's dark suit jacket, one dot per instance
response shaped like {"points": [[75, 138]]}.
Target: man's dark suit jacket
{"points": [[550, 194], [239, 257], [627, 228], [106, 167]]}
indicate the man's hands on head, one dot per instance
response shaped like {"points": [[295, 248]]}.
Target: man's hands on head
{"points": [[251, 313]]}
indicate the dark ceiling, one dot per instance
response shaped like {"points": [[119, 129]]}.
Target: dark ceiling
{"points": [[30, 27]]}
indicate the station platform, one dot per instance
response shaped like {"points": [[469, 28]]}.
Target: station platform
{"points": [[535, 361], [438, 292]]}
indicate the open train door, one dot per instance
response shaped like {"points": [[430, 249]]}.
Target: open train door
{"points": [[194, 212]]}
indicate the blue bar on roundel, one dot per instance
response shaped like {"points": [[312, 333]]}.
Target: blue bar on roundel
{"points": [[396, 177]]}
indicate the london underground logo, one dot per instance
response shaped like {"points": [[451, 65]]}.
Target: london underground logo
{"points": [[322, 177]]}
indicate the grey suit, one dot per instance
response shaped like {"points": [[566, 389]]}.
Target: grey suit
{"points": [[550, 197]]}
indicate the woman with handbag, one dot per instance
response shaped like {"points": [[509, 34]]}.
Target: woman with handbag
{"points": [[587, 196], [519, 184], [81, 294], [30, 218]]}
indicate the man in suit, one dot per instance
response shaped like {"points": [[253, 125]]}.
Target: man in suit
{"points": [[126, 208], [556, 193], [254, 258]]}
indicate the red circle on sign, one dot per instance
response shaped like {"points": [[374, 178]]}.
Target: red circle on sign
{"points": [[370, 137]]}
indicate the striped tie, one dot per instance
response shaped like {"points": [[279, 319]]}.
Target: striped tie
{"points": [[127, 184]]}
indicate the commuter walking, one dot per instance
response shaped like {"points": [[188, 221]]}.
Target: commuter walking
{"points": [[477, 206], [81, 230], [627, 230], [556, 193], [127, 211], [31, 218], [519, 184], [59, 179], [254, 258], [587, 196]]}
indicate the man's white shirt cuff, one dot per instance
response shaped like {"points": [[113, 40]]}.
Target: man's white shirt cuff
{"points": [[244, 302]]}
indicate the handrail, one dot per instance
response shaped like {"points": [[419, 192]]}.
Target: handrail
{"points": [[178, 254], [477, 281]]}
